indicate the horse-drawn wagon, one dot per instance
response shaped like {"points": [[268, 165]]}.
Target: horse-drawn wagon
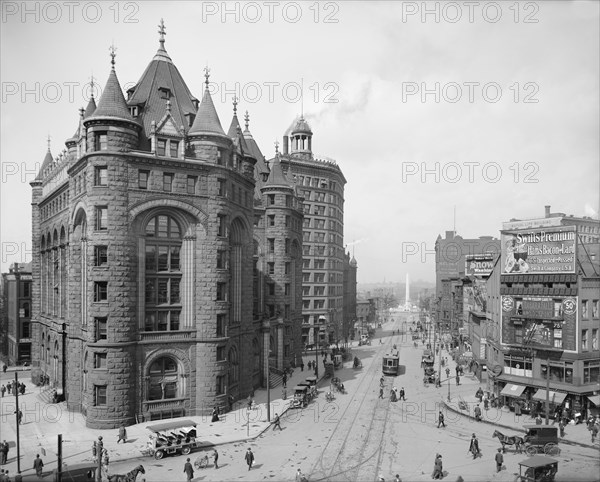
{"points": [[541, 439], [537, 469]]}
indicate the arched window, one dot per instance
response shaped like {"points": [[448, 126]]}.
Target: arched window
{"points": [[162, 379], [234, 366], [162, 274]]}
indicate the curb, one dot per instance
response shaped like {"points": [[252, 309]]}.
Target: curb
{"points": [[509, 427]]}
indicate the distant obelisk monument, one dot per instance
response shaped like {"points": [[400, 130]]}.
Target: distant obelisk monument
{"points": [[407, 295]]}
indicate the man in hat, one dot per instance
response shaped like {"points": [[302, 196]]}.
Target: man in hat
{"points": [[38, 465], [441, 420], [474, 446], [401, 396], [249, 458], [499, 460]]}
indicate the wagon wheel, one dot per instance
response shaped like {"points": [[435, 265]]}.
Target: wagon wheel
{"points": [[159, 454], [551, 449], [186, 450], [531, 450]]}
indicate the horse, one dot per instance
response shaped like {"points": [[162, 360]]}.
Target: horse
{"points": [[128, 477], [515, 440]]}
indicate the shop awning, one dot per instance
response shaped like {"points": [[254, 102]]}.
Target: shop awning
{"points": [[555, 397], [595, 399], [511, 390]]}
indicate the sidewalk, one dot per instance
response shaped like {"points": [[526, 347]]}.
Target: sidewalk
{"points": [[42, 422], [501, 417]]}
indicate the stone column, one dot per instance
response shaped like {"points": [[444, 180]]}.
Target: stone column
{"points": [[187, 282], [280, 343], [266, 332]]}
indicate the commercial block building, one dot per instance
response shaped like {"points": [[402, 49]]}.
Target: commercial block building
{"points": [[16, 314]]}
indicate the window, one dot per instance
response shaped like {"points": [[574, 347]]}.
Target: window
{"points": [[287, 245], [143, 179], [100, 291], [306, 263], [595, 308], [270, 199], [220, 353], [288, 289], [25, 329], [99, 360], [594, 338], [100, 328], [100, 255], [305, 304], [305, 277], [271, 220], [584, 339], [162, 274], [270, 245], [101, 218], [234, 365], [287, 221], [306, 291], [271, 267], [221, 259], [221, 291], [101, 141], [191, 184], [162, 379], [174, 148], [99, 395], [288, 267], [161, 147], [221, 385], [167, 182], [100, 176], [221, 325], [271, 287], [591, 371], [222, 187], [584, 308]]}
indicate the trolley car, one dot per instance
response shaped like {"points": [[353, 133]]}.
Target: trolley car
{"points": [[391, 364]]}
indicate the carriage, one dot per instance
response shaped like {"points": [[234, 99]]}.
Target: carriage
{"points": [[301, 396], [541, 438], [171, 438], [537, 469], [312, 384], [336, 382], [357, 362]]}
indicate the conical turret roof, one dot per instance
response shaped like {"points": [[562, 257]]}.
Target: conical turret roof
{"points": [[162, 80], [207, 120], [112, 102], [276, 176], [91, 108], [48, 160]]}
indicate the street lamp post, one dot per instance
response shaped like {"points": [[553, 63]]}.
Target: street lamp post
{"points": [[316, 352], [449, 388]]}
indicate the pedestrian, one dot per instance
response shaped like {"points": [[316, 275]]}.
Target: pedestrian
{"points": [[188, 470], [478, 413], [250, 402], [447, 372], [309, 365], [284, 380], [380, 392], [301, 365], [9, 388], [499, 460], [441, 420], [277, 422], [122, 434], [3, 390], [19, 416], [4, 367], [517, 409], [438, 469], [299, 475], [594, 432], [284, 393], [215, 415], [457, 380], [3, 452], [474, 446], [106, 459], [38, 465], [401, 396], [230, 401], [561, 427], [486, 403], [397, 478], [216, 458], [249, 458]]}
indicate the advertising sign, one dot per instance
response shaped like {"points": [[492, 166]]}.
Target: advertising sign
{"points": [[539, 251], [475, 295], [479, 264]]}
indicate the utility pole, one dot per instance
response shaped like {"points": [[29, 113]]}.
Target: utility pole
{"points": [[268, 398], [16, 390], [59, 459], [99, 450], [547, 388]]}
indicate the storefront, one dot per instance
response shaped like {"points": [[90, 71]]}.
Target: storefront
{"points": [[593, 405], [513, 393]]}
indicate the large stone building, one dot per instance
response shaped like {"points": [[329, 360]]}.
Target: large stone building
{"points": [[16, 314], [168, 254], [321, 184]]}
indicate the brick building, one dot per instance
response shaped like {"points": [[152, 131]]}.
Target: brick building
{"points": [[16, 314], [167, 266]]}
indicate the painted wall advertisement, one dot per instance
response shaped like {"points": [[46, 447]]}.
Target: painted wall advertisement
{"points": [[541, 250], [475, 295], [539, 320], [479, 264]]}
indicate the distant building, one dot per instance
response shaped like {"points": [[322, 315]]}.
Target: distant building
{"points": [[16, 323]]}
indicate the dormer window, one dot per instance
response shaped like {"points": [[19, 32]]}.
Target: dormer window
{"points": [[165, 93], [133, 110], [190, 116], [161, 147]]}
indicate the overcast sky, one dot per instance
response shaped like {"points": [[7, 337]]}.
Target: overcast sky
{"points": [[488, 108]]}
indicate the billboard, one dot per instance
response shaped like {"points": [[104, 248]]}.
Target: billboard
{"points": [[539, 250], [479, 264], [475, 295]]}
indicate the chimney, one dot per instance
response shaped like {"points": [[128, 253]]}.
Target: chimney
{"points": [[547, 211], [449, 234], [285, 144]]}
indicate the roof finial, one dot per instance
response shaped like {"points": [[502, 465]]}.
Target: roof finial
{"points": [[276, 147], [168, 106], [302, 98], [206, 75], [113, 54], [48, 142], [161, 33], [92, 86], [247, 119], [235, 103]]}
